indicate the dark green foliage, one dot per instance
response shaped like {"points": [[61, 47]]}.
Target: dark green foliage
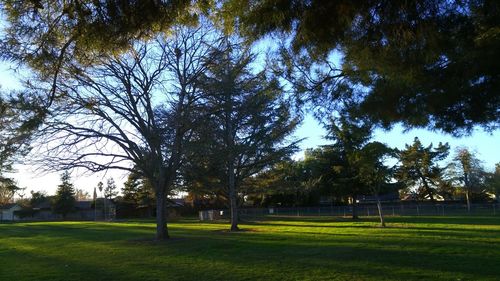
{"points": [[248, 125], [287, 183], [426, 63], [350, 136], [8, 189], [64, 200], [138, 191], [37, 197], [419, 167], [468, 173]]}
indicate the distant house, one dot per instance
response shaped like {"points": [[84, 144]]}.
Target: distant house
{"points": [[84, 210], [388, 197], [7, 212]]}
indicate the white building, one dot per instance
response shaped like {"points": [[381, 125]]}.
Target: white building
{"points": [[7, 212]]}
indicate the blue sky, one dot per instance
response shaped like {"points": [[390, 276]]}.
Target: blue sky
{"points": [[485, 145]]}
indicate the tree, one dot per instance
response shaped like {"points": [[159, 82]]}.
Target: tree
{"points": [[137, 190], [373, 172], [350, 136], [8, 189], [250, 120], [100, 186], [64, 200], [132, 111], [110, 189], [37, 197], [468, 171], [419, 166], [81, 194], [425, 63], [493, 182], [286, 183]]}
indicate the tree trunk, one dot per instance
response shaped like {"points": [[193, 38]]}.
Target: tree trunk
{"points": [[467, 197], [233, 199], [428, 189], [161, 215], [354, 208], [467, 190], [380, 213]]}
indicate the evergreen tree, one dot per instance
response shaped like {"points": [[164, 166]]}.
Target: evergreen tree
{"points": [[425, 63], [467, 170], [64, 200], [419, 167], [350, 136], [110, 189], [8, 189], [100, 186], [138, 191], [373, 172], [249, 125], [493, 182]]}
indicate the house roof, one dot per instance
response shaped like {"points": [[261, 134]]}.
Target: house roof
{"points": [[175, 202], [8, 206], [84, 204]]}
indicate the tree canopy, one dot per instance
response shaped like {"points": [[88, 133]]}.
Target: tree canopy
{"points": [[425, 63]]}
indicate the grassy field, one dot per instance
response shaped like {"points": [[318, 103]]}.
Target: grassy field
{"points": [[411, 248]]}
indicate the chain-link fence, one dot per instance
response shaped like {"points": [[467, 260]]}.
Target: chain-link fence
{"points": [[371, 210]]}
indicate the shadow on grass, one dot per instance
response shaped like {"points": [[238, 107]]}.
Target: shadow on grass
{"points": [[297, 251], [241, 256]]}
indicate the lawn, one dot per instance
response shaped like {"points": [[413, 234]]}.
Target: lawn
{"points": [[411, 248]]}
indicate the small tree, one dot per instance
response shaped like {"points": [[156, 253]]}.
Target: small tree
{"points": [[64, 200], [110, 190], [372, 171], [137, 190], [81, 194], [37, 197], [468, 171]]}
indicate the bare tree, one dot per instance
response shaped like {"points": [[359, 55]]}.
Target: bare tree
{"points": [[132, 111]]}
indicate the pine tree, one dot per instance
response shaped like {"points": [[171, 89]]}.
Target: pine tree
{"points": [[110, 189], [64, 200], [249, 125], [419, 167]]}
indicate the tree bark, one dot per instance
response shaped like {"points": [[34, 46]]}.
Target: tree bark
{"points": [[380, 213], [354, 208], [467, 190], [233, 199], [467, 197], [161, 215]]}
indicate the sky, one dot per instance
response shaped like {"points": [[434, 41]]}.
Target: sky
{"points": [[485, 145]]}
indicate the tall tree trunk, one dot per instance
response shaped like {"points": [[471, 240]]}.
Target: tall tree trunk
{"points": [[467, 190], [380, 212], [233, 198], [161, 215], [230, 145], [354, 207], [467, 197]]}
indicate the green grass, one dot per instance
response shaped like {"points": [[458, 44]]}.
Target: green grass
{"points": [[411, 248]]}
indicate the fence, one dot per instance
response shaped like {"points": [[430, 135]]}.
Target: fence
{"points": [[372, 210]]}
